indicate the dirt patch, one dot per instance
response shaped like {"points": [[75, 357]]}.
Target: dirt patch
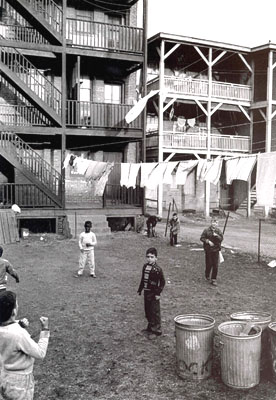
{"points": [[97, 350]]}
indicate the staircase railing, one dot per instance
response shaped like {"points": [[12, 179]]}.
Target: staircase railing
{"points": [[49, 10], [31, 161], [32, 77], [24, 195]]}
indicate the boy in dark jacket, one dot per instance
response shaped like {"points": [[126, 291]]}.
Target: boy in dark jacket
{"points": [[174, 229], [212, 238], [152, 282]]}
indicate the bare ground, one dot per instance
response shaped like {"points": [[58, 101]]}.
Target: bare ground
{"points": [[97, 350]]}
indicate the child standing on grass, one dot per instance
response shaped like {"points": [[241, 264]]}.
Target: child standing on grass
{"points": [[174, 229], [18, 351], [87, 241], [212, 238], [152, 282], [5, 269]]}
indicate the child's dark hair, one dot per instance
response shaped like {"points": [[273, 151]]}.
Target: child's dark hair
{"points": [[174, 214], [88, 223], [152, 250], [7, 304], [1, 251]]}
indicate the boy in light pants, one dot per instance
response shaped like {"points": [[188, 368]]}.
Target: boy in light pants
{"points": [[87, 241]]}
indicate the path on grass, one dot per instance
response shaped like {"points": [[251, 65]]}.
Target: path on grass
{"points": [[240, 234]]}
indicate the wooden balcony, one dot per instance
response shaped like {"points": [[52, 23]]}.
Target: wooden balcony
{"points": [[198, 142], [20, 33], [22, 115], [117, 195], [191, 87], [87, 114], [100, 35], [24, 195]]}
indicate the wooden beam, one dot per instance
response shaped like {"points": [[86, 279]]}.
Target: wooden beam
{"points": [[196, 156], [201, 106], [171, 51], [273, 114], [201, 54], [216, 108], [245, 113], [169, 157], [245, 62], [169, 104], [123, 56], [30, 46], [262, 114], [218, 57]]}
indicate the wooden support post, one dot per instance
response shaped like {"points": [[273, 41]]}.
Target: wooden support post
{"points": [[209, 116], [269, 102], [259, 240], [145, 66], [248, 214], [63, 102], [160, 125]]}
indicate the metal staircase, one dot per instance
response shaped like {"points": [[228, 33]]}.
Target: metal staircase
{"points": [[31, 82], [34, 167], [44, 15]]}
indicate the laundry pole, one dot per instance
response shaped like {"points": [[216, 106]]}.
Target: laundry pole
{"points": [[160, 125], [209, 116]]}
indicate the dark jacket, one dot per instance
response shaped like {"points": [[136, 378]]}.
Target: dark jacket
{"points": [[208, 234], [175, 226], [156, 280]]}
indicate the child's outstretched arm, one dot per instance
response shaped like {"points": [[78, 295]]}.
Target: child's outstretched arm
{"points": [[37, 350], [10, 270]]}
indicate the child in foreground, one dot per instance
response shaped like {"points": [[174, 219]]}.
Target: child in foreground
{"points": [[87, 241], [6, 268], [212, 238], [18, 351], [153, 283]]}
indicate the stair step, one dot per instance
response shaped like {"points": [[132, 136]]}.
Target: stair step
{"points": [[99, 223]]}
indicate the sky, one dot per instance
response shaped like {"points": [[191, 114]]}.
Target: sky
{"points": [[241, 22]]}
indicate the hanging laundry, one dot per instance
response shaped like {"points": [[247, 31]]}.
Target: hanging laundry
{"points": [[183, 169], [156, 176], [202, 162], [136, 110], [133, 172], [168, 178], [181, 123], [265, 180], [191, 122], [205, 168], [80, 165], [125, 167], [230, 169], [239, 168], [171, 113], [213, 173], [101, 183], [95, 171], [146, 169]]}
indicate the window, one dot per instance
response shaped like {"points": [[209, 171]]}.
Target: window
{"points": [[113, 93]]}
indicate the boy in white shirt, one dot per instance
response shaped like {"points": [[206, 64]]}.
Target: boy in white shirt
{"points": [[18, 351], [87, 241]]}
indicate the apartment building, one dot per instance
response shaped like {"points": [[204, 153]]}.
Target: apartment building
{"points": [[68, 77], [214, 99]]}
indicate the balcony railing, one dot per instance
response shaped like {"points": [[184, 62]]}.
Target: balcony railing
{"points": [[198, 141], [99, 115], [115, 195], [22, 115], [24, 195], [21, 34], [50, 11], [104, 36], [200, 87]]}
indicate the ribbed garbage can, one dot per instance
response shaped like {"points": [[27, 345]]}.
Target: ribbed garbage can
{"points": [[240, 355], [194, 345], [262, 319], [271, 329]]}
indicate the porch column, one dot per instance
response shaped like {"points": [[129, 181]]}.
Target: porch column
{"points": [[269, 102], [63, 101], [160, 125], [209, 116], [145, 66], [249, 197]]}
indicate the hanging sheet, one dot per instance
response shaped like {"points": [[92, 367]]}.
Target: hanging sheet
{"points": [[146, 169], [101, 183], [167, 178], [214, 171], [125, 167], [184, 168], [239, 168], [133, 172], [156, 176], [265, 179]]}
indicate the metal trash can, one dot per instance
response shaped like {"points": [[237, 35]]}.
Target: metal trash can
{"points": [[240, 355], [271, 329], [262, 319], [194, 345]]}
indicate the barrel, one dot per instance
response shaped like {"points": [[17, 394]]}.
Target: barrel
{"points": [[194, 345], [240, 355], [262, 319], [271, 329]]}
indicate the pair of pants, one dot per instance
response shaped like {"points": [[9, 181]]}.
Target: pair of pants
{"points": [[211, 261], [152, 311], [173, 238], [87, 257], [17, 386]]}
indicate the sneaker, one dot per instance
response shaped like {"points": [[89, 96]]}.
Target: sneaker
{"points": [[207, 279], [152, 336], [77, 275], [93, 276], [214, 282]]}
